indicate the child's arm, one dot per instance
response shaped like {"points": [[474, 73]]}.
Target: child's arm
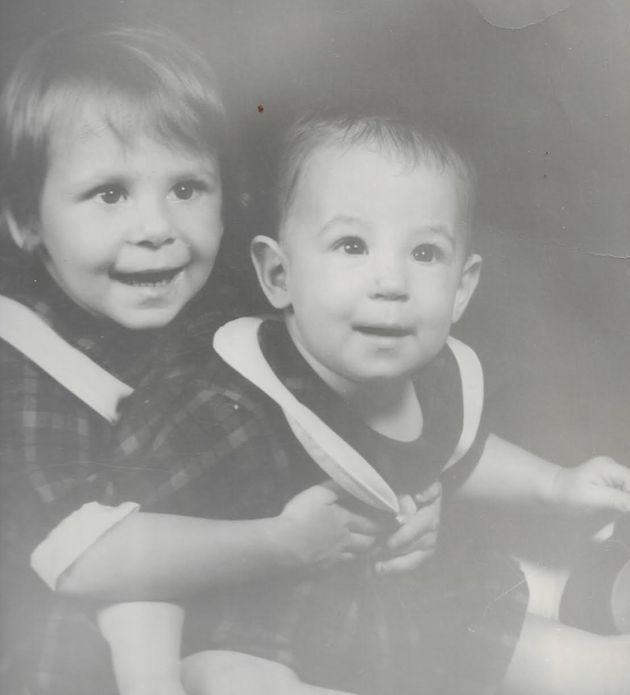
{"points": [[512, 476], [157, 556], [145, 640]]}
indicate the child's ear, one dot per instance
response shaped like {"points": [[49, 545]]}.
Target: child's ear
{"points": [[467, 285], [271, 268], [25, 236]]}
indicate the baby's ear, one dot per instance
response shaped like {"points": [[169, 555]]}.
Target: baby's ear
{"points": [[271, 268], [25, 236], [467, 285]]}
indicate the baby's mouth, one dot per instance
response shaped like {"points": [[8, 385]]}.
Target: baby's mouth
{"points": [[383, 331], [146, 278]]}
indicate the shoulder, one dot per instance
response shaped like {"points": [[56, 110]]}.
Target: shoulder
{"points": [[191, 408], [22, 378], [470, 374], [452, 396], [472, 397]]}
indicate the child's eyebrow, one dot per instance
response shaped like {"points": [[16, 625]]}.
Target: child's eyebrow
{"points": [[123, 177], [201, 171]]}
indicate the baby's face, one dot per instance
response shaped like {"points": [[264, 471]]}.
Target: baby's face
{"points": [[130, 231], [377, 267]]}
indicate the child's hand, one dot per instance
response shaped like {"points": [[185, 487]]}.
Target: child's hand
{"points": [[321, 531], [414, 542], [598, 487]]}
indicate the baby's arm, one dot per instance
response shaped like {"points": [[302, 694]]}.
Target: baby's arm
{"points": [[160, 556], [515, 477]]}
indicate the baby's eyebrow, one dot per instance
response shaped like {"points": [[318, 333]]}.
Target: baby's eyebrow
{"points": [[438, 230], [346, 220]]}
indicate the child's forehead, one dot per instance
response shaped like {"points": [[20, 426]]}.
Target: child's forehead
{"points": [[85, 118]]}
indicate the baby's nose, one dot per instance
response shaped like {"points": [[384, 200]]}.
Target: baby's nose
{"points": [[389, 278]]}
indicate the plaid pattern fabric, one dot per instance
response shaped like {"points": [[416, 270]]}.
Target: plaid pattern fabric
{"points": [[209, 444], [55, 455]]}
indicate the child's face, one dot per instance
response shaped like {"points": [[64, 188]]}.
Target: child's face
{"points": [[376, 263], [130, 231]]}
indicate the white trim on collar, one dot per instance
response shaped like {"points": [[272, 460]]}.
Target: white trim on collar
{"points": [[471, 375], [22, 328]]}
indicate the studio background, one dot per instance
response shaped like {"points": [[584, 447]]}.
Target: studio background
{"points": [[545, 110]]}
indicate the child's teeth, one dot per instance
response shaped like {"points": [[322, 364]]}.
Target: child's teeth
{"points": [[156, 279]]}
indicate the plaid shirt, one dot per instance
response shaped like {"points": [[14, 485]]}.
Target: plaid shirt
{"points": [[210, 444], [55, 455]]}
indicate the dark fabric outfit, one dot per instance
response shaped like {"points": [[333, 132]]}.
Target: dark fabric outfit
{"points": [[55, 455], [211, 444]]}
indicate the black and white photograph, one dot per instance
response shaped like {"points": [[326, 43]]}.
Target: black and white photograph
{"points": [[314, 347]]}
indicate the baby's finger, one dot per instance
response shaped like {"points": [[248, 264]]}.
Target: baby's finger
{"points": [[425, 520], [422, 542], [403, 563], [362, 524], [427, 496], [360, 543], [407, 507], [611, 499], [619, 475]]}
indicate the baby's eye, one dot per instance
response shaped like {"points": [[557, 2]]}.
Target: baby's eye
{"points": [[353, 246], [185, 190], [427, 253], [109, 194]]}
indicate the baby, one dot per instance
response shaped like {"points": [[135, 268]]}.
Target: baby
{"points": [[372, 265]]}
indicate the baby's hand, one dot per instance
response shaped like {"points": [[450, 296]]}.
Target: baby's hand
{"points": [[414, 542], [597, 488], [320, 531]]}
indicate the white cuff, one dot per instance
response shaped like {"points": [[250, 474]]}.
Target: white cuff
{"points": [[73, 536]]}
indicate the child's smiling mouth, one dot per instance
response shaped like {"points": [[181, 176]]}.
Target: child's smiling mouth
{"points": [[147, 278]]}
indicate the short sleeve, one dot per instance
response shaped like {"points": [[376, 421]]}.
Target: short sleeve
{"points": [[73, 536]]}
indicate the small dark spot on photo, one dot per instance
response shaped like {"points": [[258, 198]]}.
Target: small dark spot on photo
{"points": [[260, 108]]}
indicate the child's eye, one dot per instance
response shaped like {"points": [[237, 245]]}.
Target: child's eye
{"points": [[427, 253], [109, 194], [185, 190], [353, 246]]}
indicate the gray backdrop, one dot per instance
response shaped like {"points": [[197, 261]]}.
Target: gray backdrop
{"points": [[545, 110]]}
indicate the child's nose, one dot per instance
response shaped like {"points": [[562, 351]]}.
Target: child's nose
{"points": [[389, 278], [153, 226]]}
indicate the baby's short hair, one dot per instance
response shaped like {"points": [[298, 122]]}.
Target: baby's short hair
{"points": [[144, 81], [409, 138]]}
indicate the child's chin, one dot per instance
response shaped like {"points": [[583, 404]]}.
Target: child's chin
{"points": [[145, 320]]}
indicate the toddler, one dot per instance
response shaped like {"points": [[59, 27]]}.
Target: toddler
{"points": [[114, 151]]}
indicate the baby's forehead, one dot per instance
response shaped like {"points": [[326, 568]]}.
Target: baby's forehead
{"points": [[333, 154], [368, 181], [366, 166]]}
